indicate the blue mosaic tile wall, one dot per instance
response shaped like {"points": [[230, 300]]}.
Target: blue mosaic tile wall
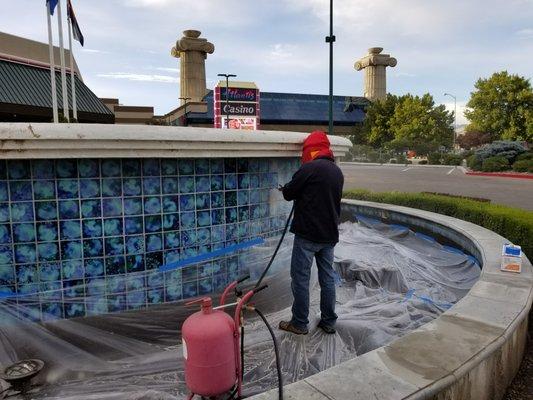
{"points": [[87, 236]]}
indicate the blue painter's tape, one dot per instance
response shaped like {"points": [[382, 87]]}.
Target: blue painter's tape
{"points": [[411, 293], [425, 237], [438, 304], [473, 259], [452, 249], [368, 220], [401, 227], [408, 295], [211, 254]]}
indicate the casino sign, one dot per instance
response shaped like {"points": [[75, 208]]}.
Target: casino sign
{"points": [[242, 105]]}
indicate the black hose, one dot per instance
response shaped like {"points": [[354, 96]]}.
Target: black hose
{"points": [[280, 378], [276, 351], [277, 248]]}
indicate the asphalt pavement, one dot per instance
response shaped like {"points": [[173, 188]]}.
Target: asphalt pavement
{"points": [[451, 180]]}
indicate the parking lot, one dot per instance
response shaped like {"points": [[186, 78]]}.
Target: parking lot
{"points": [[451, 180]]}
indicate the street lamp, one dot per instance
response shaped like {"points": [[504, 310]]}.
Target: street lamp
{"points": [[454, 116], [227, 76], [185, 99], [330, 39]]}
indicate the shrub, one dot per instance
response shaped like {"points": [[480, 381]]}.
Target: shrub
{"points": [[473, 162], [423, 162], [434, 158], [401, 159], [484, 200], [507, 149], [372, 156], [452, 159], [495, 164], [525, 156], [512, 223], [523, 165]]}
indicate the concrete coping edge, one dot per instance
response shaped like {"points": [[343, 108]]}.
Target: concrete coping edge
{"points": [[483, 240], [48, 140]]}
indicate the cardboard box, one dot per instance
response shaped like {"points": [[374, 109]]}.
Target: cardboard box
{"points": [[511, 258]]}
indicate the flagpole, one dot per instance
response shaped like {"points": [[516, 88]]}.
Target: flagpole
{"points": [[62, 57], [52, 65], [72, 80]]}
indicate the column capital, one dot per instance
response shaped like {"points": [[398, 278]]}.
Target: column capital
{"points": [[191, 41], [375, 58]]}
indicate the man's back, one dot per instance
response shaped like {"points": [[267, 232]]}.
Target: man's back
{"points": [[317, 189]]}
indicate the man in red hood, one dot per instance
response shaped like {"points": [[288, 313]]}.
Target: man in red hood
{"points": [[316, 189]]}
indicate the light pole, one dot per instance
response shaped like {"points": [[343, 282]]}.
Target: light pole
{"points": [[454, 116], [185, 99], [227, 76], [330, 39]]}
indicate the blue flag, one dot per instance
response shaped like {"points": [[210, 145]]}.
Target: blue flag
{"points": [[76, 31], [52, 5]]}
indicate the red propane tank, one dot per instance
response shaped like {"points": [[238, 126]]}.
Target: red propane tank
{"points": [[209, 351]]}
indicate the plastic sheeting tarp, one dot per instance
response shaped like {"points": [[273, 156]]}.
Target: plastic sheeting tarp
{"points": [[390, 281]]}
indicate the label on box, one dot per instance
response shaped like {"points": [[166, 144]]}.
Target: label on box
{"points": [[511, 250], [511, 264]]}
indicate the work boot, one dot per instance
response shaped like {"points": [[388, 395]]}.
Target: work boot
{"points": [[287, 326], [326, 328]]}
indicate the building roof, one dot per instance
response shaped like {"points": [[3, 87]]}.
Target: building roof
{"points": [[32, 52], [25, 90], [294, 108], [238, 84]]}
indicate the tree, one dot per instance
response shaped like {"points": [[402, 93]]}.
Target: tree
{"points": [[377, 122], [406, 122], [502, 105], [358, 136], [473, 139], [419, 125]]}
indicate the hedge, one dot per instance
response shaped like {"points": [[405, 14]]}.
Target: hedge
{"points": [[523, 166], [495, 164], [512, 223]]}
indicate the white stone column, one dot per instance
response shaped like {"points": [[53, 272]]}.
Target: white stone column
{"points": [[375, 64], [192, 52]]}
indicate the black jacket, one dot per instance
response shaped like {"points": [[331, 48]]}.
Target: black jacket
{"points": [[316, 189]]}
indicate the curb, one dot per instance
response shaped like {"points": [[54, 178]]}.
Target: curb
{"points": [[398, 165], [501, 175]]}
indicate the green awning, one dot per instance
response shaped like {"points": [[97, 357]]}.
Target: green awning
{"points": [[25, 91]]}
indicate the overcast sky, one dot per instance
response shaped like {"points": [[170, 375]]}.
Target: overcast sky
{"points": [[441, 46]]}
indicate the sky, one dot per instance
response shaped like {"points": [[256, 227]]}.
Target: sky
{"points": [[441, 46]]}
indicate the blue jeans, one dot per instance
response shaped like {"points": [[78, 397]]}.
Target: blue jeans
{"points": [[302, 260]]}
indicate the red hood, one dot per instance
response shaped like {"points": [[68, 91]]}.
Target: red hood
{"points": [[316, 145]]}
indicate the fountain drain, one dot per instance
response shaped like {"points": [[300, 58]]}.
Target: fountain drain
{"points": [[20, 373]]}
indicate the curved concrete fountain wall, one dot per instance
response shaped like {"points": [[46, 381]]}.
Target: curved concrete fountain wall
{"points": [[108, 218], [472, 351]]}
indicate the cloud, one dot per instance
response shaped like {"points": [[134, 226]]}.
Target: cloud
{"points": [[461, 107], [414, 22], [166, 69], [140, 77], [403, 74], [525, 33], [94, 51], [281, 51]]}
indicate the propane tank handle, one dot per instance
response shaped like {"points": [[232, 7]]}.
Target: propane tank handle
{"points": [[207, 304]]}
